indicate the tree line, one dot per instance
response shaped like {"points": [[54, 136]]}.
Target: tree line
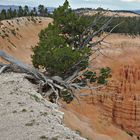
{"points": [[127, 25], [41, 10]]}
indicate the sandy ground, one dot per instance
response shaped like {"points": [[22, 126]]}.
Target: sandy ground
{"points": [[119, 50], [25, 115], [120, 14], [19, 35]]}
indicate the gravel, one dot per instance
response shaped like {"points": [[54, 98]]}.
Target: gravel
{"points": [[25, 115]]}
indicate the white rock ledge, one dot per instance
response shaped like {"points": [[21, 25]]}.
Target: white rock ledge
{"points": [[25, 115]]}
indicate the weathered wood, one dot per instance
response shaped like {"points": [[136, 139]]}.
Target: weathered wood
{"points": [[56, 84], [23, 67], [3, 68]]}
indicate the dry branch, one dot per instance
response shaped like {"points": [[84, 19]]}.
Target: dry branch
{"points": [[55, 86]]}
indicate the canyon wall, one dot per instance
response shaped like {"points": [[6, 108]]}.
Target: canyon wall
{"points": [[114, 110], [123, 105]]}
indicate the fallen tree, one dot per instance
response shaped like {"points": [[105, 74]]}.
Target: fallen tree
{"points": [[54, 87], [76, 78]]}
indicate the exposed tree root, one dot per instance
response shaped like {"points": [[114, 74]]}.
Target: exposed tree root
{"points": [[51, 85], [55, 87]]}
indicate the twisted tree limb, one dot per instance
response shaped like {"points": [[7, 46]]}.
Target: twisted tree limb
{"points": [[56, 86]]}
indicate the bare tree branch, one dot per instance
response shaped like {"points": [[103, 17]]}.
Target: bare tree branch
{"points": [[55, 86]]}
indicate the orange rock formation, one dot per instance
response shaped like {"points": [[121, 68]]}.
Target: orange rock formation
{"points": [[114, 110], [124, 106]]}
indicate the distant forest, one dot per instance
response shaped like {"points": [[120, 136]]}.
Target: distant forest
{"points": [[128, 25], [23, 11]]}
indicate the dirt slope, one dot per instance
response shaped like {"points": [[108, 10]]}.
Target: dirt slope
{"points": [[17, 36], [116, 112]]}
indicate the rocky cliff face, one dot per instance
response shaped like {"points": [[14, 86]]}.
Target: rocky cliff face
{"points": [[129, 78], [123, 105], [118, 102]]}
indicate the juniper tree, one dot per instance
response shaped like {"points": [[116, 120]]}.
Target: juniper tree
{"points": [[56, 49]]}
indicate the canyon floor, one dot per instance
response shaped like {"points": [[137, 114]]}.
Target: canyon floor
{"points": [[115, 114]]}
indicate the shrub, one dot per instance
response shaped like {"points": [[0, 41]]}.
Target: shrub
{"points": [[3, 36], [56, 50], [6, 35], [13, 32], [33, 20], [96, 77]]}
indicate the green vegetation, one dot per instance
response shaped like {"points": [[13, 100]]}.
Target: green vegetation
{"points": [[59, 47], [127, 25], [23, 11], [62, 50], [42, 11], [99, 77], [56, 50], [13, 32], [43, 137], [24, 110]]}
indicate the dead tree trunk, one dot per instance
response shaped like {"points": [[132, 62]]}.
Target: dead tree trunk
{"points": [[55, 86]]}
